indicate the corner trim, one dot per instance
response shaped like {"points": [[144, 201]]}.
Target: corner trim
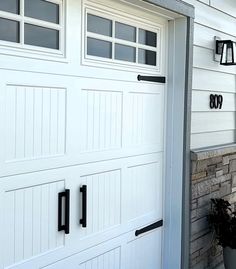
{"points": [[186, 220]]}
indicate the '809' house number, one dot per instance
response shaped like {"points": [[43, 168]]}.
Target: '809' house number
{"points": [[216, 101]]}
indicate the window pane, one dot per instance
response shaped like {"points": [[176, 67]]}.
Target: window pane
{"points": [[99, 25], [99, 48], [147, 57], [125, 53], [10, 6], [42, 37], [9, 30], [147, 38], [125, 32], [42, 10]]}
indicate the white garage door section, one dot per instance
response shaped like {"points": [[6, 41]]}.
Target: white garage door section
{"points": [[82, 160]]}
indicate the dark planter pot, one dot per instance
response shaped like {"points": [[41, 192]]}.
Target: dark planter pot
{"points": [[229, 255]]}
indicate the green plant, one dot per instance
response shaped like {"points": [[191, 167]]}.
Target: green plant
{"points": [[223, 221]]}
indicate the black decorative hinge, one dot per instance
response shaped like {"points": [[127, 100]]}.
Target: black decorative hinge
{"points": [[152, 79], [149, 227]]}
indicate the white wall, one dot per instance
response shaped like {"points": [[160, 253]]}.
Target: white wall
{"points": [[212, 127]]}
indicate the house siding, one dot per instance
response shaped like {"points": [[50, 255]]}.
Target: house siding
{"points": [[213, 169], [212, 127]]}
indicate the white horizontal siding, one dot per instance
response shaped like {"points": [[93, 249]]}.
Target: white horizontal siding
{"points": [[201, 102], [212, 127], [227, 6], [211, 80], [213, 18], [205, 122], [203, 58], [212, 139], [204, 36]]}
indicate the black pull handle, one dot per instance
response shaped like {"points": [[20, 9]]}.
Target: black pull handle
{"points": [[83, 220], [149, 227], [66, 225], [152, 79]]}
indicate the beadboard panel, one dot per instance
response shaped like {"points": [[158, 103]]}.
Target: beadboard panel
{"points": [[103, 120], [139, 116], [107, 260], [31, 222], [143, 180], [127, 251], [65, 122], [104, 201], [103, 256], [36, 119]]}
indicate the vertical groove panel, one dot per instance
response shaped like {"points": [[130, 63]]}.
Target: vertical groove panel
{"points": [[36, 122], [108, 260], [103, 120], [146, 118], [143, 191], [104, 203], [31, 227]]}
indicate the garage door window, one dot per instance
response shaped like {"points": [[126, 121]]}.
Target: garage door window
{"points": [[117, 41], [36, 23]]}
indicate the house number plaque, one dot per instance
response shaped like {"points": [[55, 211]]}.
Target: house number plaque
{"points": [[216, 101]]}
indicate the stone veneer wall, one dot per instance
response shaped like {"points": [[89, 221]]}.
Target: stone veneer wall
{"points": [[213, 176]]}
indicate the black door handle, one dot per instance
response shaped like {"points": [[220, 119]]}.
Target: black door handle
{"points": [[83, 220], [66, 226], [152, 79], [149, 227]]}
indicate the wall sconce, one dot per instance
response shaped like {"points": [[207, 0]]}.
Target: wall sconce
{"points": [[227, 50]]}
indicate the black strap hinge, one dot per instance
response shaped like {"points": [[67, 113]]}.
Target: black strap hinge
{"points": [[149, 227], [152, 79]]}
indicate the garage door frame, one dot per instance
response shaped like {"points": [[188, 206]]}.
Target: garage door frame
{"points": [[177, 208]]}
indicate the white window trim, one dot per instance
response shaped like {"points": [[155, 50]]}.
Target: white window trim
{"points": [[16, 49], [98, 10]]}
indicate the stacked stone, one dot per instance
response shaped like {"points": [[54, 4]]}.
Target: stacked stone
{"points": [[213, 176]]}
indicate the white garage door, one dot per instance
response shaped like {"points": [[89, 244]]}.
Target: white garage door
{"points": [[82, 159]]}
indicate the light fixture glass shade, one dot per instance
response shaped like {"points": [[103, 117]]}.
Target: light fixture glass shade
{"points": [[228, 53]]}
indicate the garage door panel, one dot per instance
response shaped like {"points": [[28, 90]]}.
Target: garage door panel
{"points": [[35, 122], [102, 120], [103, 256], [121, 196], [123, 252], [107, 260], [144, 116], [30, 218], [95, 126], [67, 123], [143, 191], [104, 201], [121, 118], [145, 251]]}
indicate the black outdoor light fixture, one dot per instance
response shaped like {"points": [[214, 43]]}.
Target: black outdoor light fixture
{"points": [[227, 50]]}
